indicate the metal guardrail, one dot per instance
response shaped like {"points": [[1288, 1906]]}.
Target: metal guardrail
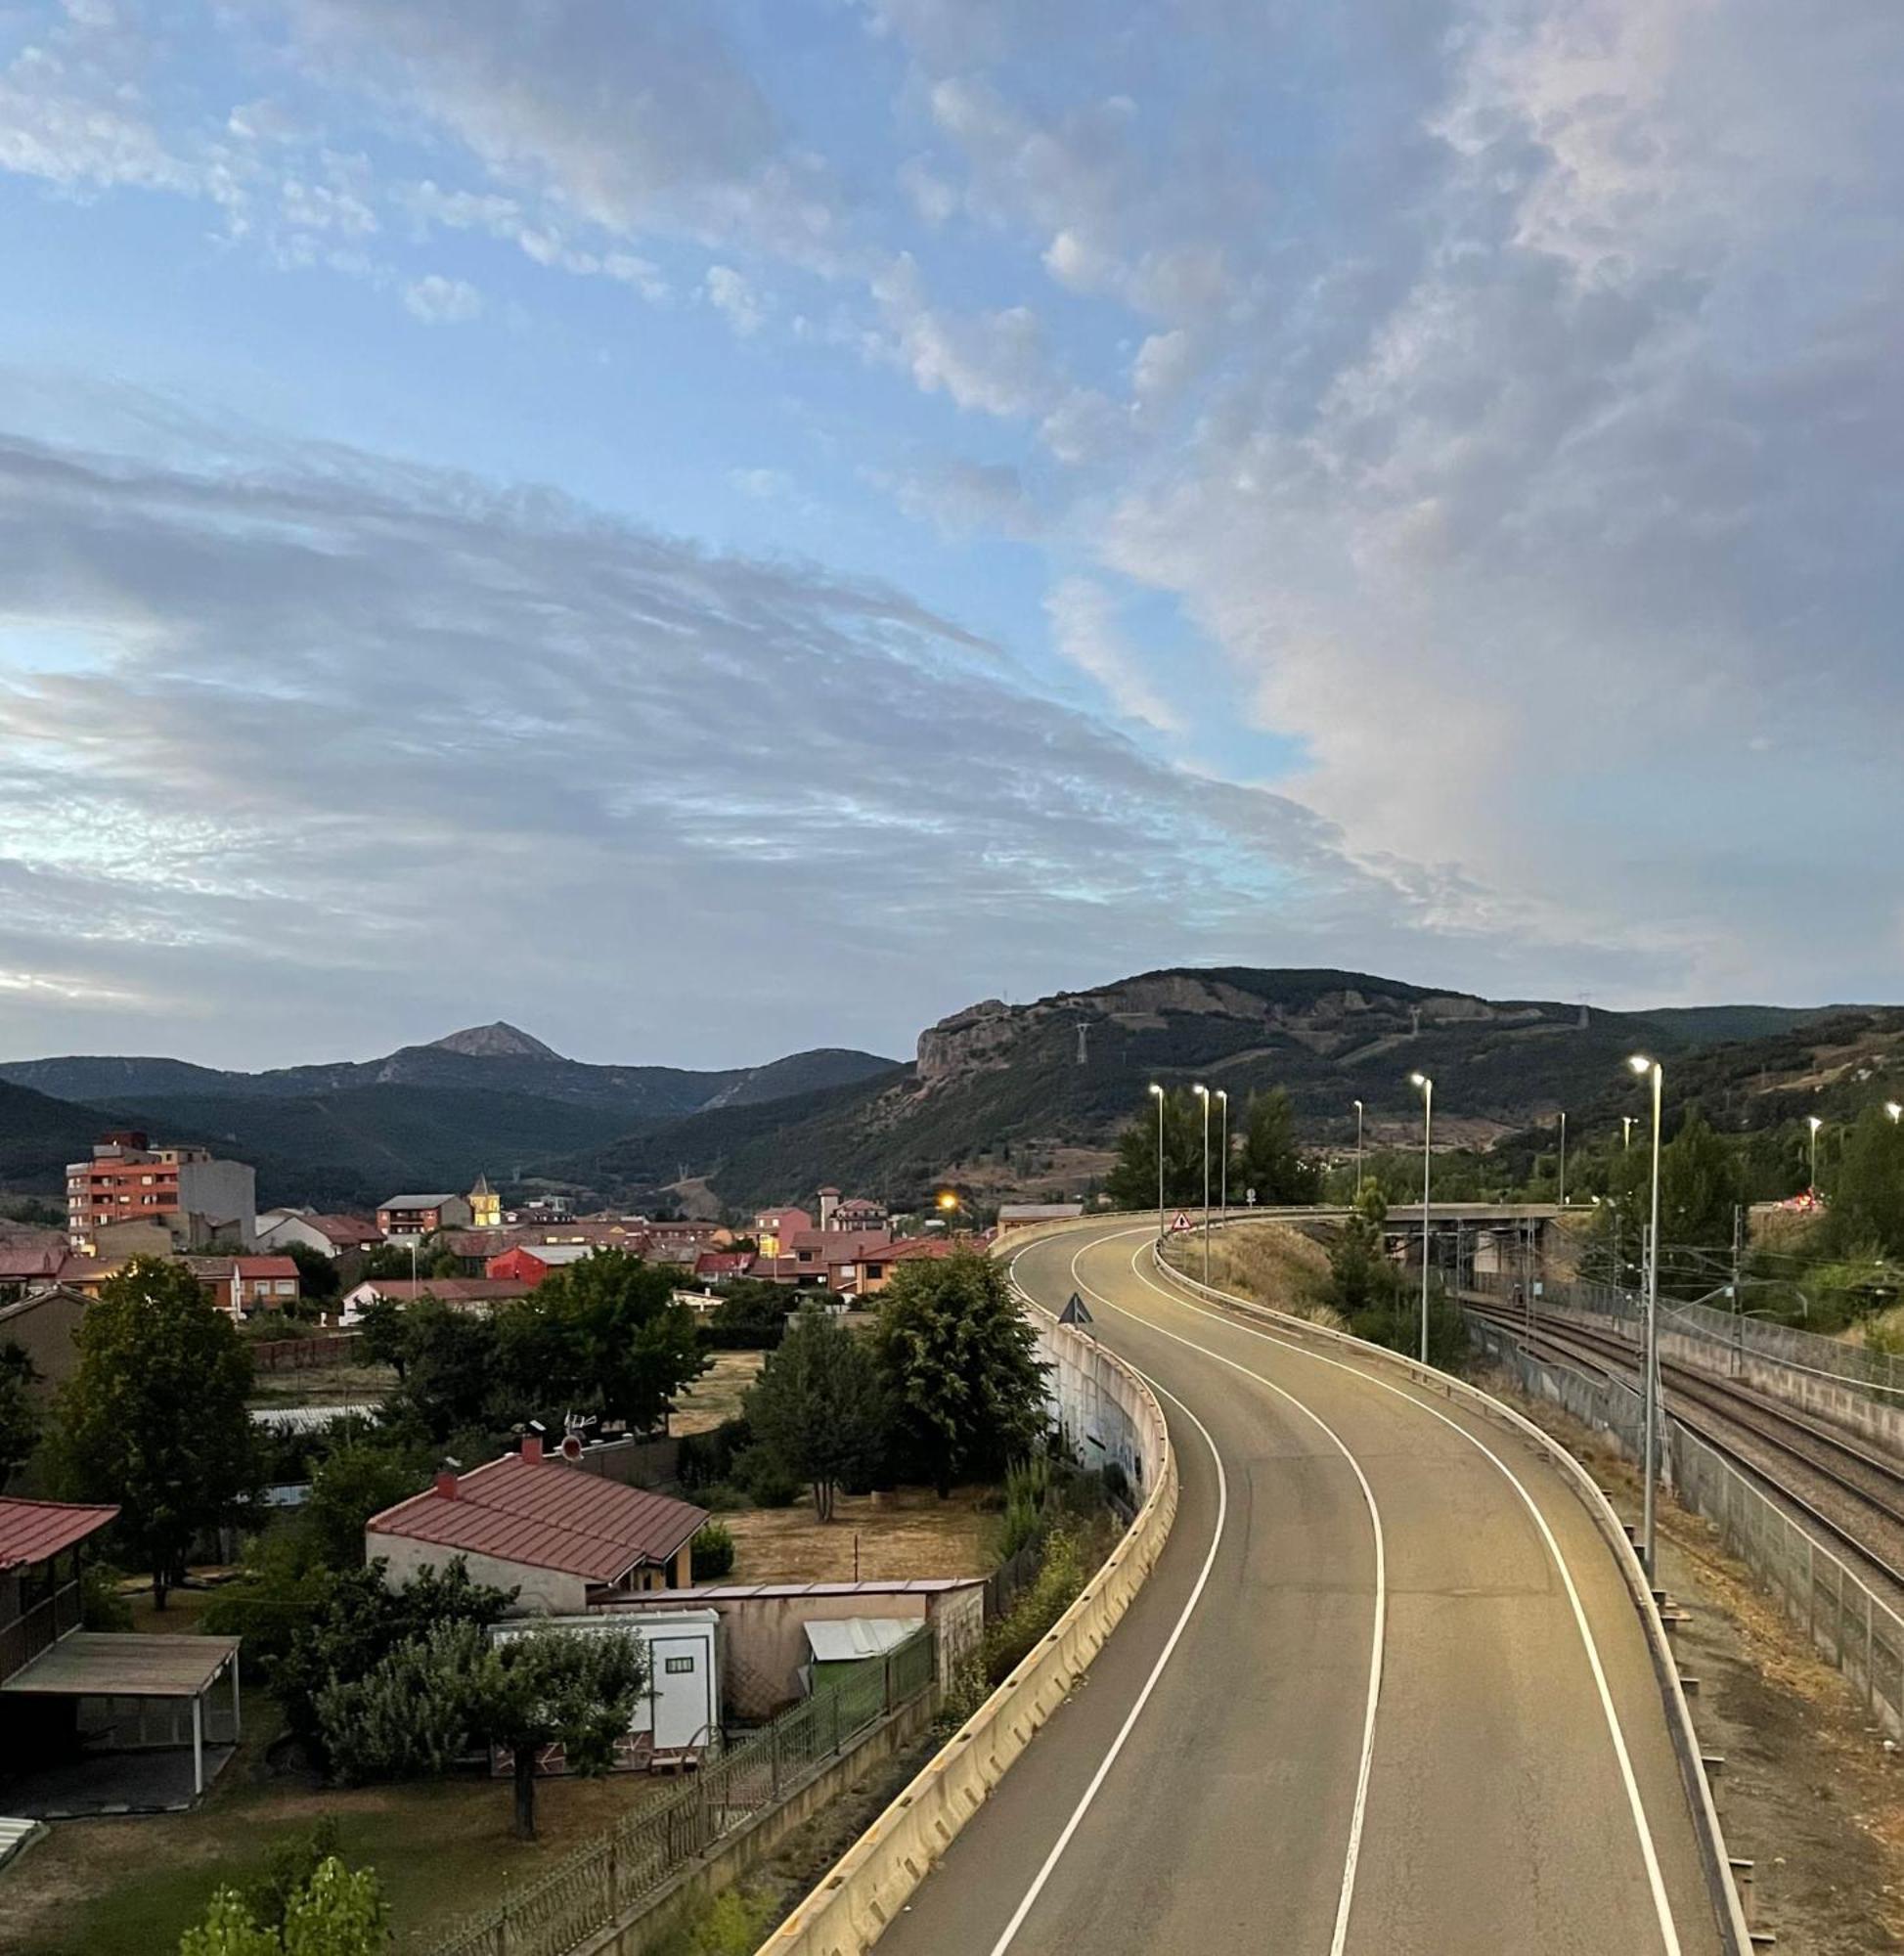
{"points": [[611, 1877], [1844, 1621]]}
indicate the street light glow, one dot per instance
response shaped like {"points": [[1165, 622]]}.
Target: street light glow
{"points": [[1155, 1089], [1813, 1123], [1640, 1063], [1894, 1110], [1201, 1091], [1415, 1079]]}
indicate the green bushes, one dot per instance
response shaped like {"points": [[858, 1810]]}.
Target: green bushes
{"points": [[713, 1552]]}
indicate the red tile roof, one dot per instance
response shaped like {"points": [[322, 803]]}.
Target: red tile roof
{"points": [[21, 1265], [446, 1290], [34, 1531], [547, 1514], [348, 1232]]}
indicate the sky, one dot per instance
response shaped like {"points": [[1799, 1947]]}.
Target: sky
{"points": [[709, 527]]}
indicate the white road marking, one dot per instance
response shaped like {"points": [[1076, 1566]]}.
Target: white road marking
{"points": [[1110, 1758], [1662, 1904]]}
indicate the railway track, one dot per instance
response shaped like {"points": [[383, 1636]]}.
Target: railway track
{"points": [[1844, 1490]]}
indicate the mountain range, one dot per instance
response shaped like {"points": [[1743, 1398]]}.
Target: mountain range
{"points": [[1004, 1099]]}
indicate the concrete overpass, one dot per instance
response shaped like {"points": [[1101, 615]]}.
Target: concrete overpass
{"points": [[1385, 1694]]}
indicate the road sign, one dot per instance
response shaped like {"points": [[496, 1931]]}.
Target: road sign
{"points": [[1179, 1224], [1075, 1312]]}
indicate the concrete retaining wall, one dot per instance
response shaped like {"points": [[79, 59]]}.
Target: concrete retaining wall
{"points": [[850, 1909]]}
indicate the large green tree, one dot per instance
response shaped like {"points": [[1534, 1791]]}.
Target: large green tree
{"points": [[1865, 1189], [961, 1365], [1131, 1182], [20, 1411], [153, 1415], [1267, 1159], [433, 1696], [603, 1335], [819, 1407], [1699, 1189]]}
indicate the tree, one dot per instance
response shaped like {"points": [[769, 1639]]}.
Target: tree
{"points": [[339, 1911], [384, 1338], [602, 1335], [961, 1366], [1698, 1191], [154, 1416], [1361, 1276], [1865, 1188], [317, 1273], [450, 1373], [1133, 1181], [1268, 1160], [819, 1407], [358, 1480], [19, 1412], [352, 1621], [433, 1696]]}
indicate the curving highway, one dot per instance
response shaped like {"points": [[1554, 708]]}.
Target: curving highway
{"points": [[1385, 1691]]}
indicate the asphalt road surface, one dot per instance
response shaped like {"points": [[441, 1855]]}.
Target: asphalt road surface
{"points": [[1385, 1692]]}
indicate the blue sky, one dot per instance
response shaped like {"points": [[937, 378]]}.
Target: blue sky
{"points": [[711, 528]]}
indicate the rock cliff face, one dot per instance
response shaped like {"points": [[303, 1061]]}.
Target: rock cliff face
{"points": [[1336, 1014]]}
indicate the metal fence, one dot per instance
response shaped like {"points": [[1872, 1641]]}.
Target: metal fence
{"points": [[613, 1877], [1879, 1375], [1844, 1621]]}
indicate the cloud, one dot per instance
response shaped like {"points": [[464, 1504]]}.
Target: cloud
{"points": [[363, 744], [440, 301], [993, 363], [1083, 623], [734, 299]]}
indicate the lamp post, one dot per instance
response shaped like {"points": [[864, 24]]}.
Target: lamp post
{"points": [[1223, 1200], [1651, 1468], [1359, 1154], [1427, 1086], [1203, 1093], [1563, 1157], [1895, 1111], [1626, 1130], [1814, 1124], [1159, 1092]]}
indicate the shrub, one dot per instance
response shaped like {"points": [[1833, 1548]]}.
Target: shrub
{"points": [[713, 1552], [767, 1480]]}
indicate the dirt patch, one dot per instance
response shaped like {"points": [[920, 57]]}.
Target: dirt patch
{"points": [[339, 1385], [717, 1394], [1811, 1793], [904, 1533]]}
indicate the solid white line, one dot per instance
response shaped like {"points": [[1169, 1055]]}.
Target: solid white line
{"points": [[1345, 1895], [1164, 1657], [1662, 1904]]}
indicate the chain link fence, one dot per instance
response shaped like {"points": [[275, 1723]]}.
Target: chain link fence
{"points": [[1844, 1621], [613, 1877]]}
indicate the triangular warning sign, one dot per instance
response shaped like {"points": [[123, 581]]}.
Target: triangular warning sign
{"points": [[1075, 1312], [1179, 1224]]}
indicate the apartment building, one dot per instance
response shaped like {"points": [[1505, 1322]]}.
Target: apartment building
{"points": [[180, 1187]]}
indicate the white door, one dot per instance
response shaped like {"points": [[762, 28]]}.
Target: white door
{"points": [[680, 1691]]}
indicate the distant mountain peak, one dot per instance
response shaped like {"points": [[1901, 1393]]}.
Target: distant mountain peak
{"points": [[498, 1041]]}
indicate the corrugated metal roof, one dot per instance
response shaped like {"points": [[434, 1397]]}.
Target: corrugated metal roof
{"points": [[848, 1638], [549, 1516], [33, 1531]]}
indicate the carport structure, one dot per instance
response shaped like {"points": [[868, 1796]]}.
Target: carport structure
{"points": [[138, 1691]]}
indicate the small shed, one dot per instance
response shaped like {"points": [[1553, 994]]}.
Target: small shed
{"points": [[680, 1715], [846, 1646]]}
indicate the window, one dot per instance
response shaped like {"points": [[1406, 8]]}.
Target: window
{"points": [[674, 1667]]}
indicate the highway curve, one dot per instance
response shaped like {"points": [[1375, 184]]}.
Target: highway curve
{"points": [[1385, 1693]]}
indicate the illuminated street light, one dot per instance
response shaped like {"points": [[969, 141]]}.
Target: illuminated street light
{"points": [[1359, 1154], [1203, 1093], [1651, 1466], [1427, 1086], [1159, 1092], [1814, 1124], [1223, 1094]]}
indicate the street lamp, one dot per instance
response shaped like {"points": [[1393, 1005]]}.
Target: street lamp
{"points": [[1223, 1094], [1896, 1112], [1359, 1154], [1427, 1086], [1563, 1157], [1159, 1092], [1814, 1124], [1650, 1467], [1626, 1130], [1203, 1093]]}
